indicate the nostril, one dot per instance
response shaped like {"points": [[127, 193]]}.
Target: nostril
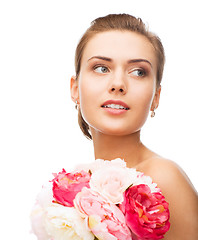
{"points": [[120, 90]]}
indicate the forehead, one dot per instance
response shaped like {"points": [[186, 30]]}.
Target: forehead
{"points": [[120, 46]]}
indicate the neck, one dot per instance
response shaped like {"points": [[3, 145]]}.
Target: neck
{"points": [[127, 147]]}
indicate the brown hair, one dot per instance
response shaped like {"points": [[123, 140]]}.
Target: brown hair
{"points": [[117, 22]]}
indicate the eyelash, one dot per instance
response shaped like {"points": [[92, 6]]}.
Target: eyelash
{"points": [[100, 66], [140, 70], [144, 73]]}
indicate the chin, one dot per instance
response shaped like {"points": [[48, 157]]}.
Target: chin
{"points": [[116, 128], [117, 131]]}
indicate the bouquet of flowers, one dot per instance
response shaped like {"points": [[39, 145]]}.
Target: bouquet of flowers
{"points": [[103, 200]]}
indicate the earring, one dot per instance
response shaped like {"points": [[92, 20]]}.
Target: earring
{"points": [[76, 104], [153, 113]]}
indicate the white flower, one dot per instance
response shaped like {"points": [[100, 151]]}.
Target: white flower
{"points": [[112, 180], [38, 214], [142, 179], [100, 163], [54, 221], [45, 196], [37, 219], [65, 223]]}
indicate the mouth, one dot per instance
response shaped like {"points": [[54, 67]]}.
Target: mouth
{"points": [[115, 104]]}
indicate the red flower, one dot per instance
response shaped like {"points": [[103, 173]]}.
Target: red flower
{"points": [[67, 185], [146, 213]]}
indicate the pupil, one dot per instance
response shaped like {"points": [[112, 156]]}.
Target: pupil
{"points": [[103, 69], [140, 73]]}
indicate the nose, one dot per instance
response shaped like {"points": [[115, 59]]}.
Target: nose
{"points": [[118, 84]]}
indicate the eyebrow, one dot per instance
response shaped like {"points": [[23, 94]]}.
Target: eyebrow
{"points": [[129, 61], [101, 57], [139, 60]]}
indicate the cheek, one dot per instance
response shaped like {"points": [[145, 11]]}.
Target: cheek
{"points": [[145, 100], [142, 98], [89, 97], [143, 95]]}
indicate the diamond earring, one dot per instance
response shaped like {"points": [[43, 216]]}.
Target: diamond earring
{"points": [[153, 113], [76, 106]]}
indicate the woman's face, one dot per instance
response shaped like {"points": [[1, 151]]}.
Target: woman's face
{"points": [[116, 87]]}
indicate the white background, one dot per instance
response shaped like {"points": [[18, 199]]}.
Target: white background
{"points": [[39, 133]]}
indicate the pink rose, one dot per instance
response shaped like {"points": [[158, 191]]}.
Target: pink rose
{"points": [[146, 213], [112, 181], [105, 219], [67, 185]]}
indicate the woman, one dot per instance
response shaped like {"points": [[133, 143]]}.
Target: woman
{"points": [[119, 66]]}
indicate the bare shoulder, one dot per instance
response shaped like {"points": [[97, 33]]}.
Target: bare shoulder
{"points": [[179, 192], [166, 173]]}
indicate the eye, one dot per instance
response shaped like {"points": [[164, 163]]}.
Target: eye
{"points": [[138, 72], [101, 69]]}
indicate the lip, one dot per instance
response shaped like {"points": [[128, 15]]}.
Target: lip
{"points": [[115, 111], [118, 102]]}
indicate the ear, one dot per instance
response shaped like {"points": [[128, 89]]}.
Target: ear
{"points": [[74, 89], [156, 99]]}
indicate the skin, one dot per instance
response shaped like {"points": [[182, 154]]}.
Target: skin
{"points": [[121, 65]]}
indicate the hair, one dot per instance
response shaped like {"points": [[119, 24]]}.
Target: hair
{"points": [[122, 22]]}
